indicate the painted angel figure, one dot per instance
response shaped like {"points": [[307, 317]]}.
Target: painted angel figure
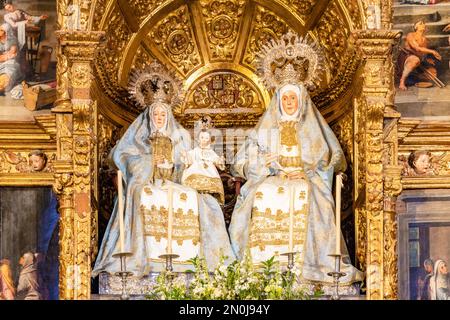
{"points": [[202, 163]]}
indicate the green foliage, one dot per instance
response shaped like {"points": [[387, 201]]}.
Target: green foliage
{"points": [[239, 280]]}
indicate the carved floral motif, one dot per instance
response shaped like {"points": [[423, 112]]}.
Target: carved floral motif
{"points": [[222, 19], [331, 30], [141, 9], [302, 7], [142, 59], [267, 26], [174, 37]]}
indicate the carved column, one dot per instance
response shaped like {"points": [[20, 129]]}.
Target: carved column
{"points": [[376, 49], [75, 167]]}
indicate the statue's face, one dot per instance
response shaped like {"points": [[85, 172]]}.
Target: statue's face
{"points": [[204, 139], [289, 102], [159, 117], [37, 162], [443, 268], [422, 164], [9, 8]]}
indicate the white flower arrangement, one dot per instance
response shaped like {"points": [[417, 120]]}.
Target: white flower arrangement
{"points": [[239, 280]]}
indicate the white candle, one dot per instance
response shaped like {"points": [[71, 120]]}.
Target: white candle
{"points": [[338, 213], [121, 222], [170, 220], [291, 217]]}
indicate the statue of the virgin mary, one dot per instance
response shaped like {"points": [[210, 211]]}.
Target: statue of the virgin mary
{"points": [[289, 160], [149, 156]]}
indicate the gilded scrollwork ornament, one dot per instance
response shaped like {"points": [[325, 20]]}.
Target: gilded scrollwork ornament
{"points": [[63, 188], [267, 26], [174, 37], [80, 75], [382, 176], [98, 13], [331, 29], [142, 59], [222, 20], [301, 7], [356, 17], [141, 9]]}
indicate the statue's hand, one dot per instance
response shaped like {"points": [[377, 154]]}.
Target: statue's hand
{"points": [[343, 175], [296, 175], [184, 158], [270, 157], [220, 163]]}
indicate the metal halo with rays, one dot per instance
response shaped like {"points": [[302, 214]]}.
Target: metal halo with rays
{"points": [[289, 48], [153, 83]]}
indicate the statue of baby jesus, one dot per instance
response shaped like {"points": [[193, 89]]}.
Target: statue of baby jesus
{"points": [[202, 163]]}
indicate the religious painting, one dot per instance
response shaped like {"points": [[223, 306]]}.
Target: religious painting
{"points": [[422, 64], [29, 236], [28, 54], [424, 245]]}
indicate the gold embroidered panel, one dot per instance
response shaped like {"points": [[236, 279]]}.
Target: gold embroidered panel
{"points": [[269, 228], [186, 225]]}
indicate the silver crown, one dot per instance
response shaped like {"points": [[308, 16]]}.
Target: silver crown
{"points": [[291, 59], [204, 123], [155, 83]]}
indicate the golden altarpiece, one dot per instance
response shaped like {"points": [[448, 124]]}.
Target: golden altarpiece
{"points": [[216, 41]]}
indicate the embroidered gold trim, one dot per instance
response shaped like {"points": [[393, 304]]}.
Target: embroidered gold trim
{"points": [[290, 161], [273, 229], [186, 226], [206, 184], [261, 235], [288, 133], [148, 191], [162, 146], [288, 138]]}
